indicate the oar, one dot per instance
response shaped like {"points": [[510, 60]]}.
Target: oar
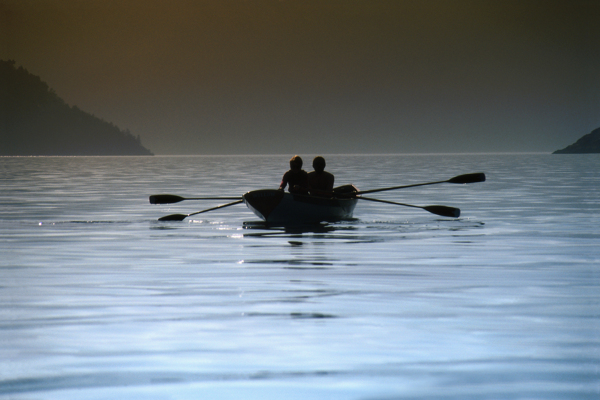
{"points": [[181, 217], [444, 211], [466, 178], [171, 198]]}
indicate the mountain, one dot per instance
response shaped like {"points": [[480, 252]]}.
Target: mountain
{"points": [[589, 143], [35, 121]]}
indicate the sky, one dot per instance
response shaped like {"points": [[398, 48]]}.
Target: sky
{"points": [[320, 77]]}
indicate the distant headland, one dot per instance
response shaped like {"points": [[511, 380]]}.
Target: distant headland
{"points": [[589, 143], [34, 121]]}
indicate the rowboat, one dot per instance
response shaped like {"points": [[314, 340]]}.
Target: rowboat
{"points": [[279, 207]]}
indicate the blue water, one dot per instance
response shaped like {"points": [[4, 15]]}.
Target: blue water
{"points": [[99, 300]]}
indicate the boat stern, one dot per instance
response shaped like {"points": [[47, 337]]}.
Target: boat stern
{"points": [[263, 202]]}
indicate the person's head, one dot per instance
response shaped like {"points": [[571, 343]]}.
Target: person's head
{"points": [[296, 163], [319, 164]]}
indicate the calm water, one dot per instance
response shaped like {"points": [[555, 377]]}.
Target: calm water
{"points": [[99, 300]]}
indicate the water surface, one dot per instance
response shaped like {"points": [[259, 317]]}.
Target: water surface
{"points": [[100, 300]]}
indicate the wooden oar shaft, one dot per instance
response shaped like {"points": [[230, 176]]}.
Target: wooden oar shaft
{"points": [[444, 211], [398, 187], [214, 198], [171, 198], [388, 202], [181, 217], [217, 207], [460, 179]]}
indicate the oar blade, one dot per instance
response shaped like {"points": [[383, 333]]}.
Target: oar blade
{"points": [[468, 178], [165, 199], [173, 217], [444, 211]]}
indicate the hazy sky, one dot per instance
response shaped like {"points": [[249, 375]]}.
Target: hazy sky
{"points": [[307, 77]]}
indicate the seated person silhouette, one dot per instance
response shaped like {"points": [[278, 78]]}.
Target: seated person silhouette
{"points": [[296, 177], [320, 182]]}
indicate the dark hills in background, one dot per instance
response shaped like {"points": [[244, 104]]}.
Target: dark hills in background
{"points": [[35, 121], [589, 143]]}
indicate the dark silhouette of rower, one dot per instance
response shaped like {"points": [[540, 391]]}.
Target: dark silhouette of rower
{"points": [[320, 182], [296, 177]]}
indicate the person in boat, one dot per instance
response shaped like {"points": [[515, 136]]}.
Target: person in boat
{"points": [[296, 177], [320, 182]]}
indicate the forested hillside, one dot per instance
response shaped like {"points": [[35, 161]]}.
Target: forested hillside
{"points": [[589, 143], [35, 121]]}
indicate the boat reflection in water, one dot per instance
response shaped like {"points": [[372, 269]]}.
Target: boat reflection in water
{"points": [[304, 240], [263, 228]]}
